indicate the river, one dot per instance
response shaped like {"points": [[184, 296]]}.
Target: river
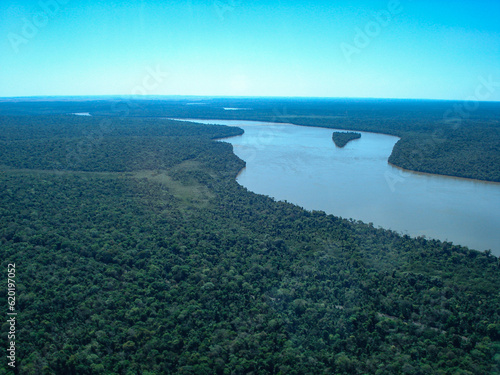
{"points": [[303, 166]]}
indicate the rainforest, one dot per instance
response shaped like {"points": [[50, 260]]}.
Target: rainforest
{"points": [[137, 252]]}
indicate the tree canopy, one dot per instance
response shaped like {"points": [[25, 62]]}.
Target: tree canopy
{"points": [[138, 253]]}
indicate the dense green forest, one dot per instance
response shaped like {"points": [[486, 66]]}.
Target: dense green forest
{"points": [[442, 137], [138, 253], [342, 138]]}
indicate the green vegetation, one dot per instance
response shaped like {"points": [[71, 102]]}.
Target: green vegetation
{"points": [[138, 253], [342, 138], [439, 137], [470, 153]]}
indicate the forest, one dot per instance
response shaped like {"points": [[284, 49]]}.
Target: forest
{"points": [[342, 138], [440, 137], [137, 252]]}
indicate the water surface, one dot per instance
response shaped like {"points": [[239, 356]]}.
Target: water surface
{"points": [[303, 166]]}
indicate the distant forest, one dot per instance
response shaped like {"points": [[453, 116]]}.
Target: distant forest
{"points": [[439, 137], [137, 252]]}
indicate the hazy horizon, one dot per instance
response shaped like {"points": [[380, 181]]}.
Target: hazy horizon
{"points": [[205, 97]]}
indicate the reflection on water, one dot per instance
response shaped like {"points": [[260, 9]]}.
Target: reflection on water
{"points": [[303, 166]]}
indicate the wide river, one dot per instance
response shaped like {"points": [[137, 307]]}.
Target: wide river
{"points": [[303, 166]]}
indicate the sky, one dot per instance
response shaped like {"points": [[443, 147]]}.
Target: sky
{"points": [[415, 49]]}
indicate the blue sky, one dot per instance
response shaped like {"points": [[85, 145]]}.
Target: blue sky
{"points": [[381, 49]]}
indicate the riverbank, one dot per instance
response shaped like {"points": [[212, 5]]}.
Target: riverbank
{"points": [[302, 166]]}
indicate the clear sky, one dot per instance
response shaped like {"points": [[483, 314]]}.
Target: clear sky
{"points": [[381, 49]]}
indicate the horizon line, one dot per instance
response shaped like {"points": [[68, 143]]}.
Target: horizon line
{"points": [[146, 97]]}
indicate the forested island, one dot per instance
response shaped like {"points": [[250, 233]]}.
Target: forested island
{"points": [[342, 138], [137, 252]]}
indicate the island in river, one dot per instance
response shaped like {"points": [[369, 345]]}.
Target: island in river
{"points": [[342, 138]]}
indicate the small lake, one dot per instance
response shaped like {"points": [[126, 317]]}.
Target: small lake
{"points": [[303, 166]]}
